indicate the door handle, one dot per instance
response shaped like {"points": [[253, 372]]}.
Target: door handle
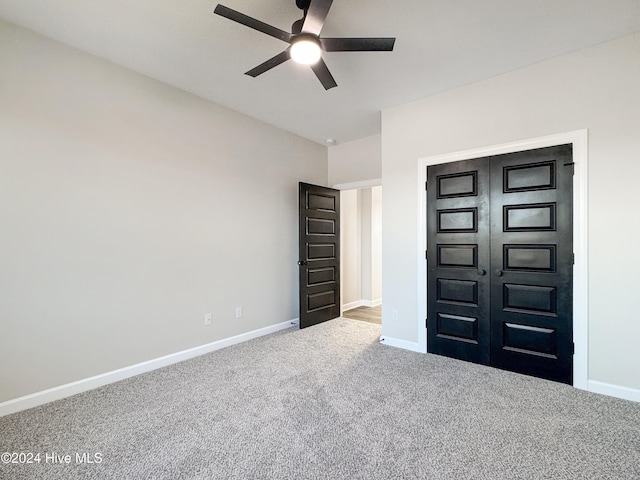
{"points": [[498, 272], [482, 271], [302, 262]]}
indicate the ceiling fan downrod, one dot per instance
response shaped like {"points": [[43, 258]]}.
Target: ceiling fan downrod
{"points": [[303, 5]]}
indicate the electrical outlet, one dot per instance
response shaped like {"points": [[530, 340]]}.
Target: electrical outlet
{"points": [[238, 312], [394, 315], [207, 319]]}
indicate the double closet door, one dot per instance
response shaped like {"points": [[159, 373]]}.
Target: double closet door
{"points": [[500, 261]]}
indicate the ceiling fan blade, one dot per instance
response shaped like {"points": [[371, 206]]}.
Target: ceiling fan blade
{"points": [[252, 23], [316, 15], [357, 44], [324, 75], [269, 64]]}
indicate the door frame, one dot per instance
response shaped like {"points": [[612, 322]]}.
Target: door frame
{"points": [[374, 182], [579, 140]]}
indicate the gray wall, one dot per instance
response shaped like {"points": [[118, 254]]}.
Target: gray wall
{"points": [[596, 89], [129, 209]]}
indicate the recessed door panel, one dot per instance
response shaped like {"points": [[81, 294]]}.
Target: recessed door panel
{"points": [[456, 327], [530, 299], [461, 220], [321, 300], [321, 202], [522, 218], [534, 258], [321, 226], [321, 251], [457, 185], [536, 176], [457, 291], [530, 340], [319, 276], [458, 256]]}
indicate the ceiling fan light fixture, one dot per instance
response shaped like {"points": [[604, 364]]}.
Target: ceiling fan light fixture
{"points": [[305, 44], [306, 50]]}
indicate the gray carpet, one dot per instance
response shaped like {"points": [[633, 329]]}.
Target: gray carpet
{"points": [[329, 402]]}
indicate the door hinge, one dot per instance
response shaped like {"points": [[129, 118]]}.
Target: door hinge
{"points": [[426, 185], [572, 165], [426, 322], [573, 348], [573, 259], [426, 257]]}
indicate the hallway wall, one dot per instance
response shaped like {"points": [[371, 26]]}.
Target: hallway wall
{"points": [[361, 222]]}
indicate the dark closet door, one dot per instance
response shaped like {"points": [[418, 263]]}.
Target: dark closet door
{"points": [[500, 261], [458, 259], [319, 250], [532, 262]]}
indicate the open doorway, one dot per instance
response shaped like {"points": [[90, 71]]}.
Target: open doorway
{"points": [[361, 253]]}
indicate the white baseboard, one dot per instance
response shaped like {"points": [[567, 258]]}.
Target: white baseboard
{"points": [[361, 303], [614, 390], [372, 303], [396, 342], [73, 388], [351, 305], [608, 389], [69, 389]]}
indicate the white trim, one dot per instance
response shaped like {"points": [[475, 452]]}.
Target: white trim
{"points": [[361, 303], [422, 248], [614, 391], [579, 139], [73, 388], [398, 343], [374, 182], [581, 265], [372, 303], [351, 305]]}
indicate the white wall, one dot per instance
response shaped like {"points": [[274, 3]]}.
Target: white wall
{"points": [[376, 244], [371, 241], [352, 165], [595, 88], [129, 209], [361, 238], [365, 243], [355, 161], [350, 244]]}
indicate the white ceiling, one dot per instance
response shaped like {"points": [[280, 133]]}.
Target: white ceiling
{"points": [[441, 44]]}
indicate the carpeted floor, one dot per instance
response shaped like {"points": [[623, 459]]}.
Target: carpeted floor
{"points": [[328, 402]]}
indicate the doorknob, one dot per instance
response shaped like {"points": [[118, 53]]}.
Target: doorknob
{"points": [[482, 271], [302, 262], [498, 272]]}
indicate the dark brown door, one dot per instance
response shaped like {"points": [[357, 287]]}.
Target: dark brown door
{"points": [[500, 261], [319, 248], [458, 256], [532, 262]]}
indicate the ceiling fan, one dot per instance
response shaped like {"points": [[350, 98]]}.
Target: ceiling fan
{"points": [[305, 44]]}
